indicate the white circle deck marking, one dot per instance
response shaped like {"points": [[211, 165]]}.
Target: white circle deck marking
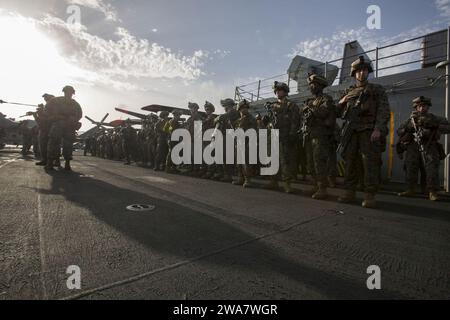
{"points": [[141, 207]]}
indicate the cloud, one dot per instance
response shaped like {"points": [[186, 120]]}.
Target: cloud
{"points": [[331, 47], [99, 5], [126, 59], [443, 6]]}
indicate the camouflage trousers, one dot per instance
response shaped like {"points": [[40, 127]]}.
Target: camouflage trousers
{"points": [[169, 163], [60, 132], [43, 143], [129, 150], [149, 150], [360, 147], [332, 158], [302, 158], [288, 161], [414, 162], [318, 151], [162, 148]]}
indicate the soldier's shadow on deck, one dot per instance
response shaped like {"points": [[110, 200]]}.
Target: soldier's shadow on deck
{"points": [[180, 231]]}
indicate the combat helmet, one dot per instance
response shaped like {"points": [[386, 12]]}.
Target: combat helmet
{"points": [[360, 64], [228, 103], [280, 86], [68, 88], [177, 113], [209, 106], [164, 114], [243, 104], [421, 100], [317, 79], [193, 106]]}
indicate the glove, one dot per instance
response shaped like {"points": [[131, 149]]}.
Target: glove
{"points": [[266, 120]]}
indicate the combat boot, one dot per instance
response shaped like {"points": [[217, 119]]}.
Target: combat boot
{"points": [[433, 196], [369, 201], [287, 187], [49, 166], [409, 192], [67, 166], [239, 182], [321, 193], [247, 183], [57, 163], [273, 185], [348, 197], [41, 163], [171, 170]]}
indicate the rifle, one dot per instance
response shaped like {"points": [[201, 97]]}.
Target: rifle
{"points": [[307, 115], [418, 138], [18, 104], [271, 115], [351, 116]]}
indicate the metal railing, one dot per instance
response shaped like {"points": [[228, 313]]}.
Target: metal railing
{"points": [[394, 58]]}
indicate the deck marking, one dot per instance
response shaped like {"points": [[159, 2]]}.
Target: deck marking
{"points": [[41, 245], [8, 162], [186, 262]]}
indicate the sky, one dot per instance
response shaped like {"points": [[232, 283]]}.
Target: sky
{"points": [[135, 53]]}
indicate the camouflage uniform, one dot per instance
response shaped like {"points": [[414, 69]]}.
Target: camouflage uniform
{"points": [[374, 114], [172, 125], [224, 122], [285, 116], [246, 122], [332, 157], [162, 147], [432, 127], [189, 125], [64, 114], [208, 123], [319, 121], [129, 143]]}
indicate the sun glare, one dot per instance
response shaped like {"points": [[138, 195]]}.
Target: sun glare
{"points": [[29, 61]]}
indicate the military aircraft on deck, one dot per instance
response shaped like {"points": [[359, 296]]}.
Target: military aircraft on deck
{"points": [[11, 130]]}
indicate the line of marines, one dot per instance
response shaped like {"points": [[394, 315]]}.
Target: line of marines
{"points": [[309, 137]]}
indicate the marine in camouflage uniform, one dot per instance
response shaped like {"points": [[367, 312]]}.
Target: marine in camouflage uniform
{"points": [[117, 144], [151, 139], [431, 127], [162, 147], [208, 123], [41, 118], [194, 169], [129, 142], [285, 116], [64, 114], [246, 122], [224, 122], [368, 133], [319, 122], [172, 125], [332, 157], [147, 132]]}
